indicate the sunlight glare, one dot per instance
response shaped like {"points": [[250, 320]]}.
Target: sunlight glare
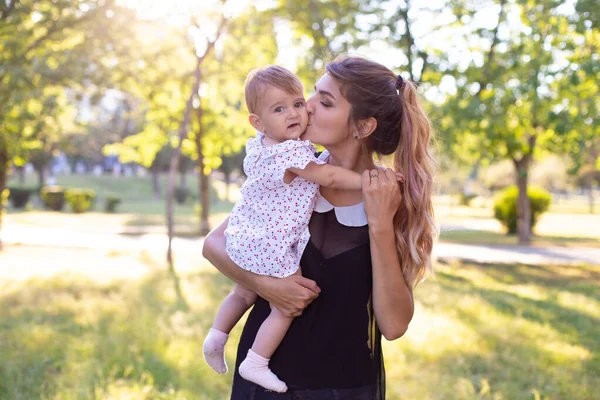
{"points": [[178, 12]]}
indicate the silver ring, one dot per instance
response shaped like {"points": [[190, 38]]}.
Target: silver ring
{"points": [[374, 176]]}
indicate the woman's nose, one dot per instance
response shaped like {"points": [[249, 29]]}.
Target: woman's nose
{"points": [[310, 108]]}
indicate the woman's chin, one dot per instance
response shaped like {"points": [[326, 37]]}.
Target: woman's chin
{"points": [[307, 134]]}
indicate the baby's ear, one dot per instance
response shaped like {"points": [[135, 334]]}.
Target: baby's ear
{"points": [[256, 122]]}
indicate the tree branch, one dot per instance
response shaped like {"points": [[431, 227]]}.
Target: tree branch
{"points": [[6, 11], [409, 37], [54, 28], [316, 16], [490, 56]]}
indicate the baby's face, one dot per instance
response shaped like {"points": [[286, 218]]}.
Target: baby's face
{"points": [[283, 115]]}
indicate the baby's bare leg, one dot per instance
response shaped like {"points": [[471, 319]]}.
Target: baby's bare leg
{"points": [[255, 367], [231, 310]]}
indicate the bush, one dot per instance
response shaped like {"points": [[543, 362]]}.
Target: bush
{"points": [[80, 200], [3, 200], [465, 199], [505, 206], [4, 197], [53, 197], [111, 204], [19, 197], [181, 194]]}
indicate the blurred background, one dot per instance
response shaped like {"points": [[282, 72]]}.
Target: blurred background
{"points": [[122, 127]]}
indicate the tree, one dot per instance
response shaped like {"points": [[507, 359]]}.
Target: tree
{"points": [[504, 99], [321, 28], [47, 46], [577, 116], [231, 162]]}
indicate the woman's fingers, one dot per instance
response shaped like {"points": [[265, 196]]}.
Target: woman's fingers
{"points": [[291, 295], [375, 177], [366, 179], [309, 284]]}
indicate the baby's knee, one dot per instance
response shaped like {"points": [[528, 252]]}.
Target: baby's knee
{"points": [[247, 295]]}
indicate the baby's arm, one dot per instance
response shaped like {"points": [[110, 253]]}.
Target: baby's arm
{"points": [[330, 176]]}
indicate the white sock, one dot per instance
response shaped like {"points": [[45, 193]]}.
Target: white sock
{"points": [[255, 368], [213, 349]]}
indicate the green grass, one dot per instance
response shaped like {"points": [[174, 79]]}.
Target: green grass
{"points": [[474, 225], [479, 332], [136, 193], [498, 238]]}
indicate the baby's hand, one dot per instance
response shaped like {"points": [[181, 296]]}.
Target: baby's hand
{"points": [[399, 177]]}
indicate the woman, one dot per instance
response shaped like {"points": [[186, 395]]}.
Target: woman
{"points": [[368, 249]]}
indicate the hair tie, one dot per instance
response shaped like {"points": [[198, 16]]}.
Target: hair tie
{"points": [[399, 81]]}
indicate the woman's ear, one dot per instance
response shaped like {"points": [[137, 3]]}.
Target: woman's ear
{"points": [[256, 122], [367, 126]]}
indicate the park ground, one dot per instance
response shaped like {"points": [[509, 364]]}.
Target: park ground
{"points": [[105, 322]]}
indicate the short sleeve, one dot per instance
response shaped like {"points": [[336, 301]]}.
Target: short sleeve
{"points": [[297, 154]]}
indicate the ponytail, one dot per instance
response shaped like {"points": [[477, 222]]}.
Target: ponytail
{"points": [[404, 130]]}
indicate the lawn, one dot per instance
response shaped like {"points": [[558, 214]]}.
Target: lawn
{"points": [[136, 192], [474, 225], [479, 332]]}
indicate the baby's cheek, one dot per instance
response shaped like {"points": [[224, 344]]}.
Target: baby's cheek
{"points": [[304, 117]]}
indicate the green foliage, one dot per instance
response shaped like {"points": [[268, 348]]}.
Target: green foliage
{"points": [[465, 199], [19, 197], [53, 197], [80, 200], [505, 206], [111, 203], [181, 194], [4, 198]]}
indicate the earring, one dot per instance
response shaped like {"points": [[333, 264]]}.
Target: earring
{"points": [[355, 136]]}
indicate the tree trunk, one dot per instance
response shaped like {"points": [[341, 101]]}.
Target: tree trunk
{"points": [[203, 183], [523, 203], [41, 177], [590, 185], [155, 184], [3, 178], [21, 172], [181, 303], [183, 179], [227, 185]]}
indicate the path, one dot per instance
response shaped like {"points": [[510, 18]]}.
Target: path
{"points": [[118, 240]]}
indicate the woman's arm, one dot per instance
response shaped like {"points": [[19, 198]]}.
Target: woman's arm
{"points": [[392, 298], [289, 295]]}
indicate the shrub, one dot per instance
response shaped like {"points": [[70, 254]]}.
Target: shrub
{"points": [[111, 204], [19, 197], [3, 200], [80, 200], [181, 194], [465, 199], [505, 206], [53, 197], [4, 197]]}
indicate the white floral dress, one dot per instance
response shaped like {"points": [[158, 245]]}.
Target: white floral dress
{"points": [[268, 226]]}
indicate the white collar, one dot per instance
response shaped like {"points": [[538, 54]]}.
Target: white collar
{"points": [[352, 216]]}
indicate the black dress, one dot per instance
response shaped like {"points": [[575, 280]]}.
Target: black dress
{"points": [[333, 350]]}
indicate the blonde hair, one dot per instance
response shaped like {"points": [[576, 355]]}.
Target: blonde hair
{"points": [[260, 79], [403, 130]]}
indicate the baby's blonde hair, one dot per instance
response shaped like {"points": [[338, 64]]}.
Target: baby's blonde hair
{"points": [[260, 79]]}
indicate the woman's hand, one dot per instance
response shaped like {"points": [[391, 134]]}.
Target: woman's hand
{"points": [[381, 197], [289, 295]]}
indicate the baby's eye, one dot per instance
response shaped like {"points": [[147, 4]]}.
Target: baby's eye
{"points": [[279, 109], [299, 104]]}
